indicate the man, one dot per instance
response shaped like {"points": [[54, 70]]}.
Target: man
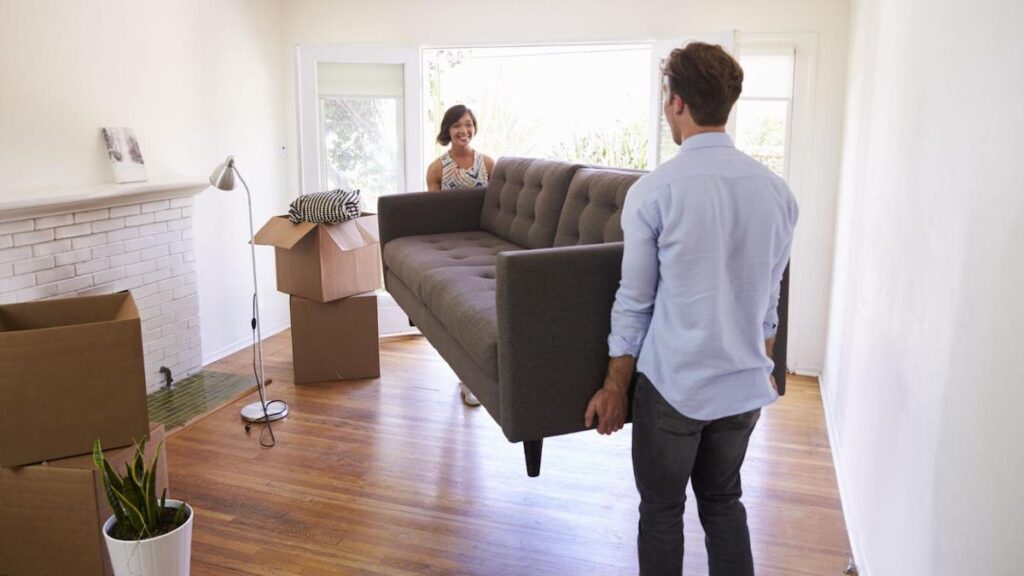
{"points": [[707, 238]]}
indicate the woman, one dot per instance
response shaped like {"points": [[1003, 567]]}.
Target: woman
{"points": [[460, 166]]}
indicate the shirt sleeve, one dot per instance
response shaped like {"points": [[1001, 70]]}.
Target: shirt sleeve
{"points": [[634, 301], [771, 316]]}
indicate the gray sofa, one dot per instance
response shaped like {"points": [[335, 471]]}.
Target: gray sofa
{"points": [[513, 284]]}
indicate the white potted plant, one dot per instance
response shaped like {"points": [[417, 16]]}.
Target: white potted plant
{"points": [[146, 535]]}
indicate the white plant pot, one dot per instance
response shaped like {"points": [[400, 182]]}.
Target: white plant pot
{"points": [[165, 555]]}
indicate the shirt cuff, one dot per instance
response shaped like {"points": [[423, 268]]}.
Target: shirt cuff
{"points": [[619, 346], [770, 329]]}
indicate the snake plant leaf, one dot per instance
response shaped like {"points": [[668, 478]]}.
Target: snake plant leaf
{"points": [[134, 516], [179, 516], [111, 481]]}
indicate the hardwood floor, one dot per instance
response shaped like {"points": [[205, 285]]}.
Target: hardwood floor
{"points": [[397, 476]]}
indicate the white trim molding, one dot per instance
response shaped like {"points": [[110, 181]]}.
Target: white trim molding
{"points": [[47, 202]]}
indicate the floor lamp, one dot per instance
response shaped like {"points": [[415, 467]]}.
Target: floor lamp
{"points": [[223, 177]]}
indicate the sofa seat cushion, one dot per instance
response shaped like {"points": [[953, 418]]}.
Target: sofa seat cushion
{"points": [[453, 275]]}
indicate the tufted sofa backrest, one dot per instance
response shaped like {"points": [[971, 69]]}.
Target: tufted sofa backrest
{"points": [[524, 200], [593, 207]]}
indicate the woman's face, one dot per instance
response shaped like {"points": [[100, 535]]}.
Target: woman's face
{"points": [[462, 131]]}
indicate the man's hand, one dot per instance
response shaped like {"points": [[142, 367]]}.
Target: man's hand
{"points": [[610, 409], [610, 403]]}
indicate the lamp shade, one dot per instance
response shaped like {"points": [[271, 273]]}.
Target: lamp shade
{"points": [[223, 176]]}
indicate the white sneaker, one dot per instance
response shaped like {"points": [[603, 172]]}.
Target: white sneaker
{"points": [[467, 396]]}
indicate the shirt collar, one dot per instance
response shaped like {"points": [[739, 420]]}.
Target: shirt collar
{"points": [[707, 140]]}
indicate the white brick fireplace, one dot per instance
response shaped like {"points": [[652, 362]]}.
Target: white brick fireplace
{"points": [[108, 238]]}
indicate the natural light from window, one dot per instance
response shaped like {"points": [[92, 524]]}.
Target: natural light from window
{"points": [[765, 107], [586, 104]]}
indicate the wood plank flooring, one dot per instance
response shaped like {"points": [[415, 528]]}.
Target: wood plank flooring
{"points": [[396, 476]]}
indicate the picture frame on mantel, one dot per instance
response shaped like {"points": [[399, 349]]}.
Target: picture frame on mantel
{"points": [[125, 154]]}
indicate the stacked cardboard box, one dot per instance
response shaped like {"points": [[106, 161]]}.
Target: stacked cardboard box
{"points": [[71, 371], [52, 514], [331, 272]]}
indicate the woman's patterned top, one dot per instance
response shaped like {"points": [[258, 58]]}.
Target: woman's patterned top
{"points": [[454, 176]]}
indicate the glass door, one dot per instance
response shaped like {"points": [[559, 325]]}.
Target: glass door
{"points": [[358, 111], [359, 128]]}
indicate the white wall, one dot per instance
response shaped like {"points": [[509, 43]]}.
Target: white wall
{"points": [[400, 23], [923, 375], [197, 80]]}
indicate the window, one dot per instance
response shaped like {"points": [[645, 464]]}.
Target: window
{"points": [[526, 106], [360, 127], [764, 111]]}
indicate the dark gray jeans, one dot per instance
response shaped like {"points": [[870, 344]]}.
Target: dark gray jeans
{"points": [[669, 450]]}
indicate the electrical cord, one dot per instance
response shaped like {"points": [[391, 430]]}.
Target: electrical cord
{"points": [[266, 428]]}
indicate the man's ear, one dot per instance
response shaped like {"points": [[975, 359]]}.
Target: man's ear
{"points": [[678, 106]]}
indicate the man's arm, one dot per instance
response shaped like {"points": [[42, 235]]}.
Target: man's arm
{"points": [[771, 318], [631, 313]]}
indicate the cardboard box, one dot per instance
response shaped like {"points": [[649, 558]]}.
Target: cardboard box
{"points": [[325, 262], [335, 341], [71, 371], [52, 515]]}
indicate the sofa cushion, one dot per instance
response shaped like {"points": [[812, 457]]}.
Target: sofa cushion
{"points": [[524, 200], [410, 257], [453, 276], [593, 208]]}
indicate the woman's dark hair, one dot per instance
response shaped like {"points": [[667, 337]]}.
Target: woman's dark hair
{"points": [[453, 115], [708, 80]]}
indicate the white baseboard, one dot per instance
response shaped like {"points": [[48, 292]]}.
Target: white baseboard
{"points": [[392, 321], [806, 371], [837, 463], [230, 349]]}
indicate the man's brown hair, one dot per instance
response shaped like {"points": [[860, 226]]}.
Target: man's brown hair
{"points": [[708, 80]]}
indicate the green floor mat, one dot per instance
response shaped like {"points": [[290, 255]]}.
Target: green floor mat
{"points": [[196, 396]]}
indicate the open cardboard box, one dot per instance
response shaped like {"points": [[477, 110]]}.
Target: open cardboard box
{"points": [[325, 262], [71, 371], [52, 514]]}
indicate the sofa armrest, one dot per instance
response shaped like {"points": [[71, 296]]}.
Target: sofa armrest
{"points": [[554, 314], [419, 213]]}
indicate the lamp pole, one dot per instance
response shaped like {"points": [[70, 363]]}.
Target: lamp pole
{"points": [[223, 178]]}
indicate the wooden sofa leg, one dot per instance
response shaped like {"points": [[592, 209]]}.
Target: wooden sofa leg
{"points": [[532, 449]]}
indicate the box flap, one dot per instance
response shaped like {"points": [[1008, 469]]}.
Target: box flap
{"points": [[128, 311], [116, 456], [355, 233], [70, 311], [280, 232]]}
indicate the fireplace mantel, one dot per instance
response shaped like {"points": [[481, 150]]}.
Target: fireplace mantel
{"points": [[49, 201]]}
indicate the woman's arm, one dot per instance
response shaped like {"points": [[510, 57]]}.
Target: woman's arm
{"points": [[489, 164], [434, 173]]}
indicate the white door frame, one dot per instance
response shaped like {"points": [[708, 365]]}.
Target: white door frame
{"points": [[391, 319], [804, 167]]}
